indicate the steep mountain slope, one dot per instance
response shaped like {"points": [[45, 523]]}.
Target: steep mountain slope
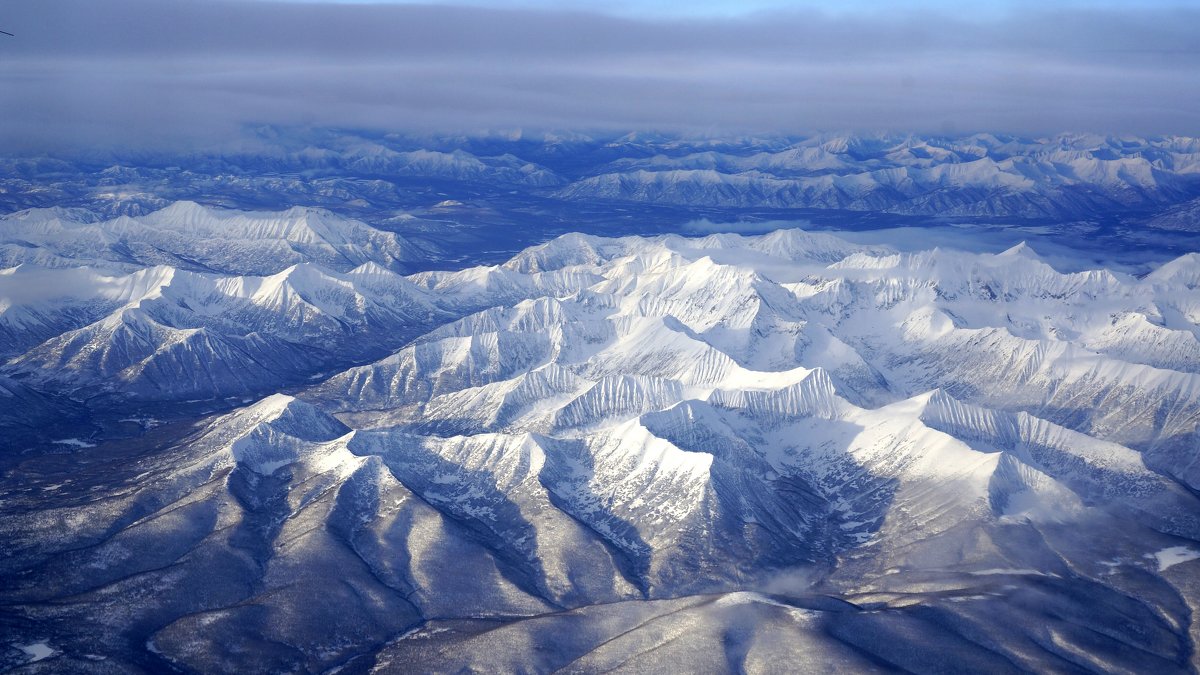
{"points": [[167, 334], [636, 454]]}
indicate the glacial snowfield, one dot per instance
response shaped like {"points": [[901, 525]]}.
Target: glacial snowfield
{"points": [[775, 453]]}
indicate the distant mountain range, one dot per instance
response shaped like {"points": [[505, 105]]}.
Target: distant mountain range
{"points": [[1070, 176]]}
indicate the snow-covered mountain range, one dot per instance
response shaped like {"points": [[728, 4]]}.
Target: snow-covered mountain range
{"points": [[1063, 177], [630, 453], [980, 175], [189, 236], [167, 334]]}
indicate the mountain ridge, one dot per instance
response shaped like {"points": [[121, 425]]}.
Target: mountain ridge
{"points": [[849, 447]]}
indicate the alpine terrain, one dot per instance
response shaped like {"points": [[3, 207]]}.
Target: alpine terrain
{"points": [[307, 440]]}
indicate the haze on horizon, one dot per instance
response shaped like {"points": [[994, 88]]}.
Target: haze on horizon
{"points": [[182, 73]]}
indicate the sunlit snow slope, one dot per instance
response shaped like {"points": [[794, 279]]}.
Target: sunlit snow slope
{"points": [[783, 452]]}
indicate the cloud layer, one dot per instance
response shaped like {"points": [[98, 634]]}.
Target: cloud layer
{"points": [[177, 71]]}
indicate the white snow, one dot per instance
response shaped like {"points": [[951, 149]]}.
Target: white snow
{"points": [[38, 651], [242, 242], [1175, 555], [632, 379]]}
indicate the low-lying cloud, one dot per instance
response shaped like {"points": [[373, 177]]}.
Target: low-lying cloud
{"points": [[706, 226], [175, 71]]}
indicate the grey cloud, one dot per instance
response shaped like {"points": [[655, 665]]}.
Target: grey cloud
{"points": [[174, 71]]}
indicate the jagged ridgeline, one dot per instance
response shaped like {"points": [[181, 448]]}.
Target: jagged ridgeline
{"points": [[777, 452]]}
